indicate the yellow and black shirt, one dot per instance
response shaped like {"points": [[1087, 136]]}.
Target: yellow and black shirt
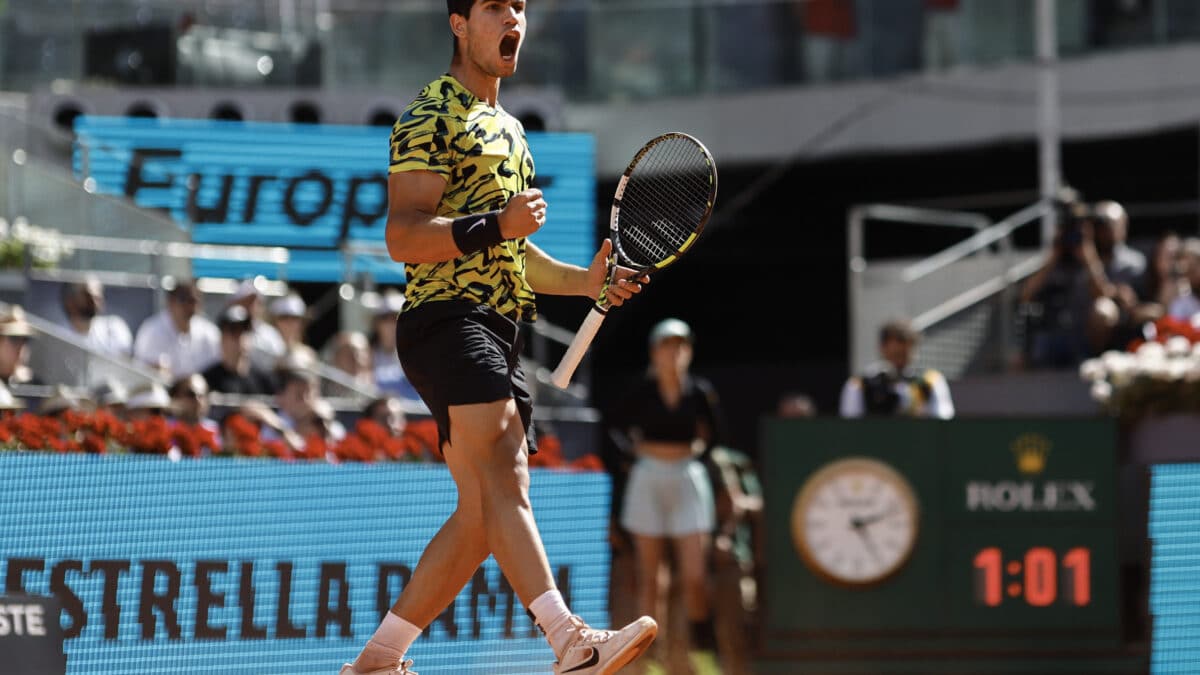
{"points": [[482, 153]]}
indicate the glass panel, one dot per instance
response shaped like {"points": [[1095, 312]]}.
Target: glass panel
{"points": [[591, 50]]}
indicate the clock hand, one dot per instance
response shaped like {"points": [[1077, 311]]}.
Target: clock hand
{"points": [[868, 543], [869, 520]]}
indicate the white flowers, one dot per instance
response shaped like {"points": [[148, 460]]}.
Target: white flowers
{"points": [[1158, 376], [45, 246]]}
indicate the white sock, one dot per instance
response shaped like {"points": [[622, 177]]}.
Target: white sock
{"points": [[552, 615], [388, 645]]}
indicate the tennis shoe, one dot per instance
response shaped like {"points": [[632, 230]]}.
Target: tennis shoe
{"points": [[603, 652], [402, 668]]}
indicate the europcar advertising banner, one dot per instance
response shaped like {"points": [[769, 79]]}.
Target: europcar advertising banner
{"points": [[307, 187], [255, 566]]}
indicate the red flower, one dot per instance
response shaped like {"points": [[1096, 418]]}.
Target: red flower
{"points": [[151, 435], [589, 462]]}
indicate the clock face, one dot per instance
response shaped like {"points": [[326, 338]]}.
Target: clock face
{"points": [[855, 521]]}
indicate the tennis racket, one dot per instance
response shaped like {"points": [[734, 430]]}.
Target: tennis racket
{"points": [[662, 202]]}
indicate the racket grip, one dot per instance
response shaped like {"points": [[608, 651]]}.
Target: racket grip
{"points": [[561, 376]]}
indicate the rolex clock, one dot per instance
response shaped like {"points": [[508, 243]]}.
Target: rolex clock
{"points": [[854, 521]]}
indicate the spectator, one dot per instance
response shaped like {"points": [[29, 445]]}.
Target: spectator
{"points": [[389, 375], [236, 373], [1084, 297], [671, 418], [942, 39], [151, 400], [1165, 275], [190, 400], [178, 340], [83, 307], [796, 404], [829, 32], [15, 333], [271, 426], [893, 386], [266, 344], [290, 316], [317, 421], [110, 396], [296, 397], [1119, 309], [388, 413], [350, 352], [1187, 305]]}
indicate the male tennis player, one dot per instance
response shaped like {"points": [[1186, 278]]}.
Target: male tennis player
{"points": [[460, 208]]}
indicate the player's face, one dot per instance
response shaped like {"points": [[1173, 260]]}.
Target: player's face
{"points": [[495, 31]]}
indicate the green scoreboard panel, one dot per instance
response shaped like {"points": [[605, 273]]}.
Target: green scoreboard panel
{"points": [[920, 546]]}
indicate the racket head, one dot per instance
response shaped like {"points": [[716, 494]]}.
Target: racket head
{"points": [[663, 201]]}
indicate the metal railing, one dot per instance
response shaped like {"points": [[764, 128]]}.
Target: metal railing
{"points": [[955, 283]]}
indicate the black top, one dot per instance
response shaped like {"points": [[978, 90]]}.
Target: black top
{"points": [[255, 381], [643, 409]]}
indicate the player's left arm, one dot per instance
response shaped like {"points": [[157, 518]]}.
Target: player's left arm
{"points": [[554, 277]]}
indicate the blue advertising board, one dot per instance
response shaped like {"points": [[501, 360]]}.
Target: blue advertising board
{"points": [[1174, 529], [306, 187], [257, 566]]}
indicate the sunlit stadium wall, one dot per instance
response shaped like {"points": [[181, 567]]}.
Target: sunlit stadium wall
{"points": [[259, 566], [1175, 568]]}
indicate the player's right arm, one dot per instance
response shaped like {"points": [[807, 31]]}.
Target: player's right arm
{"points": [[415, 234]]}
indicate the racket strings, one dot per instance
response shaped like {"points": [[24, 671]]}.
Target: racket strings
{"points": [[665, 201]]}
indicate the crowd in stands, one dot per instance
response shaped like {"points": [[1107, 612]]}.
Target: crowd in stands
{"points": [[243, 383], [1094, 292]]}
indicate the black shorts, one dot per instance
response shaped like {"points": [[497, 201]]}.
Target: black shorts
{"points": [[458, 353]]}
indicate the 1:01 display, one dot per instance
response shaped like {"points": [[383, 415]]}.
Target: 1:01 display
{"points": [[1034, 578]]}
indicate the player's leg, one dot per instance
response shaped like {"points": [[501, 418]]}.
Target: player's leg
{"points": [[492, 437], [446, 565]]}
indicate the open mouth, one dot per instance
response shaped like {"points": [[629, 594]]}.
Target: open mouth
{"points": [[508, 46]]}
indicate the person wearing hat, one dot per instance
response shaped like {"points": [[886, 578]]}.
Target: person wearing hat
{"points": [[389, 374], [266, 344], [15, 334], [667, 422], [149, 400], [110, 396], [236, 372], [349, 351], [892, 386], [189, 399], [289, 315], [178, 340]]}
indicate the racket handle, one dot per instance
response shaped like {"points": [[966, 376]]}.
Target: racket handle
{"points": [[561, 376]]}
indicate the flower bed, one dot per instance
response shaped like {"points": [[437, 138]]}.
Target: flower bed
{"points": [[103, 433]]}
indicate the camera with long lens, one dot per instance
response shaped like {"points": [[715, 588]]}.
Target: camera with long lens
{"points": [[882, 397], [1072, 213]]}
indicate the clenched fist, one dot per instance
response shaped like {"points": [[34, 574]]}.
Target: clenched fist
{"points": [[523, 214]]}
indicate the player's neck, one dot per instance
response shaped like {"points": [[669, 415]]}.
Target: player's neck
{"points": [[484, 87]]}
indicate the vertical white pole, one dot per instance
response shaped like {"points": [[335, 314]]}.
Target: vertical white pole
{"points": [[1048, 110]]}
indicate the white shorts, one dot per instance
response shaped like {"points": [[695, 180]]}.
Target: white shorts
{"points": [[668, 499]]}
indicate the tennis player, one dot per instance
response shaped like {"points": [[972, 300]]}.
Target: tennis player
{"points": [[461, 207]]}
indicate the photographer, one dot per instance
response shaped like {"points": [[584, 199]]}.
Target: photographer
{"points": [[1084, 299], [892, 386]]}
